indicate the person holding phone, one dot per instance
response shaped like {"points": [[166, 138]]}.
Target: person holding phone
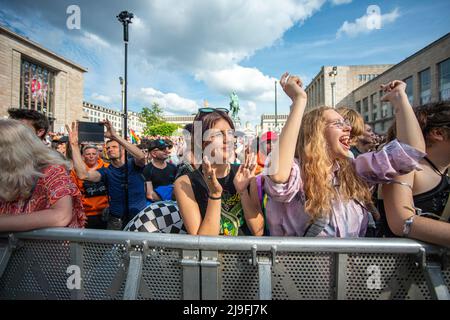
{"points": [[219, 198], [114, 175]]}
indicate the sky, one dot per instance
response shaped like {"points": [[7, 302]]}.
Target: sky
{"points": [[182, 53]]}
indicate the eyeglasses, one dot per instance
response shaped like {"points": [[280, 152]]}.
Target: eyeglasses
{"points": [[229, 134], [340, 124], [210, 110]]}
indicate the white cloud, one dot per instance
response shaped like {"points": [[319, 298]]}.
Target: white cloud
{"points": [[99, 98], [216, 34], [339, 2], [360, 26], [170, 102], [248, 83]]}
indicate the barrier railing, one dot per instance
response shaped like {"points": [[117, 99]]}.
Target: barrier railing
{"points": [[77, 264]]}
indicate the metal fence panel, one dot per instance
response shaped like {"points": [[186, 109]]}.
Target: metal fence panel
{"points": [[299, 276], [385, 276], [238, 278], [162, 275], [37, 270]]}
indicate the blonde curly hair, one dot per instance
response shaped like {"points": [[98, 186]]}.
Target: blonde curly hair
{"points": [[316, 169], [23, 156]]}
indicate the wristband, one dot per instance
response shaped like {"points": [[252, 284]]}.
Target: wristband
{"points": [[407, 226], [214, 198]]}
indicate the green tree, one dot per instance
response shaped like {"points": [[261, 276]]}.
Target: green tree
{"points": [[152, 116], [154, 122], [161, 129]]}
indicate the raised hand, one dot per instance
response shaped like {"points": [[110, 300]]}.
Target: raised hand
{"points": [[209, 175], [73, 133], [293, 86], [393, 90], [245, 173], [110, 132]]}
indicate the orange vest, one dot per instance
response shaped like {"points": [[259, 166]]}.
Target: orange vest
{"points": [[92, 205]]}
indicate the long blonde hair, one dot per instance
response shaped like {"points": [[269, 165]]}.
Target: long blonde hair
{"points": [[316, 168], [23, 156]]}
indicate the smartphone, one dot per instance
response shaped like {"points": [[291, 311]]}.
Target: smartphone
{"points": [[91, 132]]}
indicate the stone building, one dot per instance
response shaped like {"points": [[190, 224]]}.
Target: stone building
{"points": [[337, 82], [426, 73], [33, 77]]}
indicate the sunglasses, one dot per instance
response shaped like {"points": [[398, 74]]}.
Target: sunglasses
{"points": [[210, 110]]}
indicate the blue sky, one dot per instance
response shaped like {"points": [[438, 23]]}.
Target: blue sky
{"points": [[183, 52]]}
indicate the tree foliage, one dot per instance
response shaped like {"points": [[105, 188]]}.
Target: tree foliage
{"points": [[161, 129], [154, 123]]}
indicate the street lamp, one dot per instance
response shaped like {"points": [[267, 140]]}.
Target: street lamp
{"points": [[333, 75], [125, 18], [122, 85]]}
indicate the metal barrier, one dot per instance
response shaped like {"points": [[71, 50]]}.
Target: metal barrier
{"points": [[43, 264]]}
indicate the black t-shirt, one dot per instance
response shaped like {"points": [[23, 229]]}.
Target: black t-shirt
{"points": [[160, 177], [232, 221]]}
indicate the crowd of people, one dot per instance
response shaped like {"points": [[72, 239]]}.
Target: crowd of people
{"points": [[327, 174]]}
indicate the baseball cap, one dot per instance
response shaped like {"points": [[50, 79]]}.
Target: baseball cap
{"points": [[157, 144], [269, 136]]}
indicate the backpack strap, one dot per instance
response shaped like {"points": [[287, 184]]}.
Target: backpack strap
{"points": [[316, 227]]}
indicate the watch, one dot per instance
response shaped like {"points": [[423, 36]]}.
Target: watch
{"points": [[407, 226]]}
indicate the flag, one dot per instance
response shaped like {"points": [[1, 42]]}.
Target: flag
{"points": [[134, 138]]}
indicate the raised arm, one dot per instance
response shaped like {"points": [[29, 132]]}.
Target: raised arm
{"points": [[78, 163], [407, 126], [282, 156], [138, 155], [398, 203]]}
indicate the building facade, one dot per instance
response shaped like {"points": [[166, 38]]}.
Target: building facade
{"points": [[33, 77], [180, 120], [339, 81], [96, 113], [268, 123], [427, 76]]}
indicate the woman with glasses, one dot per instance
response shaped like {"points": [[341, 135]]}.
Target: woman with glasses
{"points": [[417, 205], [219, 198], [314, 188]]}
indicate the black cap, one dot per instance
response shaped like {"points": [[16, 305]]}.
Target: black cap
{"points": [[157, 144]]}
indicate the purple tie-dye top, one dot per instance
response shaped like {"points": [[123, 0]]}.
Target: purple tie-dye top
{"points": [[285, 210]]}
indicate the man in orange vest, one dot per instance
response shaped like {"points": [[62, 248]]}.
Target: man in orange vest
{"points": [[95, 197]]}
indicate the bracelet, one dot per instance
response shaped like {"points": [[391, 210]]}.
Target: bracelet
{"points": [[214, 198], [407, 225]]}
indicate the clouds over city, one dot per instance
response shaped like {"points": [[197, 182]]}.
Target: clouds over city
{"points": [[184, 52], [366, 24]]}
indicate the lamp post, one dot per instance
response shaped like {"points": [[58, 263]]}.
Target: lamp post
{"points": [[125, 18], [122, 86], [333, 75]]}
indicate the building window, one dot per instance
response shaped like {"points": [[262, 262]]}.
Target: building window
{"points": [[374, 102], [410, 89], [365, 105], [358, 107], [425, 86], [36, 88], [444, 80]]}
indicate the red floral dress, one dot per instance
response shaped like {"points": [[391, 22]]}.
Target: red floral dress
{"points": [[54, 185]]}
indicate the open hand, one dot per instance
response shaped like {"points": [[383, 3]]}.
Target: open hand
{"points": [[73, 133], [110, 132], [245, 173], [209, 175], [293, 86]]}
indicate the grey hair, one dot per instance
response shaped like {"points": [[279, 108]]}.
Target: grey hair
{"points": [[23, 156]]}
